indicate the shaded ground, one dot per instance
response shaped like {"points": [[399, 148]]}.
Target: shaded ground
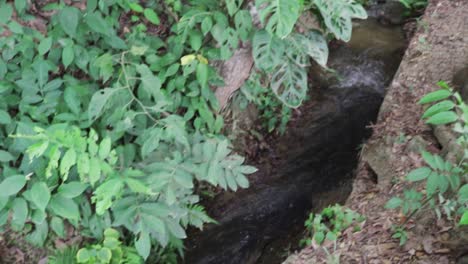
{"points": [[438, 50]]}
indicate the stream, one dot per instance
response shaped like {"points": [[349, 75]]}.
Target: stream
{"points": [[319, 154]]}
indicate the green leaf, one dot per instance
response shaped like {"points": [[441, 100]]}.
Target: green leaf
{"points": [[97, 24], [143, 245], [242, 181], [176, 229], [57, 226], [5, 118], [137, 186], [151, 83], [6, 11], [435, 96], [233, 6], [68, 160], [68, 55], [12, 185], [289, 83], [268, 51], [313, 44], [151, 16], [72, 189], [104, 148], [40, 195], [20, 5], [394, 203], [64, 207], [39, 235], [5, 156], [68, 19], [135, 7], [83, 256], [202, 74], [463, 194], [195, 40], [439, 107], [443, 118], [464, 218], [319, 237], [20, 213], [44, 46], [206, 25], [419, 174], [98, 101], [94, 171], [278, 16]]}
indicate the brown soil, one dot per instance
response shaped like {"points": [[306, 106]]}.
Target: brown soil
{"points": [[437, 51]]}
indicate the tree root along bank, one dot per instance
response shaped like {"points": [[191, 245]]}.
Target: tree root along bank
{"points": [[437, 52]]}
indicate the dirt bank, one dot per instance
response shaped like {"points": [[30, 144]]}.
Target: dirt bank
{"points": [[437, 51]]}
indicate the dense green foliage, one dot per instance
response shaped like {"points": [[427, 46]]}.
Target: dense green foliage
{"points": [[446, 181], [108, 117], [330, 223]]}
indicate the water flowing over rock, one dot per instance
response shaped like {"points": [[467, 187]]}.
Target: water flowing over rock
{"points": [[319, 152]]}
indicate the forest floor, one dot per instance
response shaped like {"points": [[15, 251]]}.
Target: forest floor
{"points": [[438, 49]]}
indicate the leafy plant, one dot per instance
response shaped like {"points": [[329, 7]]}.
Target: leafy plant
{"points": [[414, 4], [329, 224], [285, 55], [110, 251], [106, 122], [65, 255], [446, 188]]}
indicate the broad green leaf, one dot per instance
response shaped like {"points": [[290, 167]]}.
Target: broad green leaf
{"points": [[137, 186], [83, 256], [268, 51], [20, 213], [57, 226], [338, 15], [143, 245], [135, 7], [394, 203], [5, 118], [233, 6], [242, 181], [44, 46], [20, 5], [40, 195], [463, 194], [435, 96], [176, 229], [244, 24], [97, 24], [68, 55], [278, 16], [68, 160], [39, 235], [98, 101], [72, 189], [313, 44], [206, 25], [83, 165], [12, 185], [195, 40], [289, 83], [439, 107], [64, 207], [184, 179], [202, 74], [105, 148], [69, 18], [94, 171], [443, 118], [5, 156], [151, 16], [151, 83], [6, 11], [464, 218], [419, 174], [104, 255]]}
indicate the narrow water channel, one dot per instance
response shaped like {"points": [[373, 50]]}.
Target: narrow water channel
{"points": [[320, 154]]}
